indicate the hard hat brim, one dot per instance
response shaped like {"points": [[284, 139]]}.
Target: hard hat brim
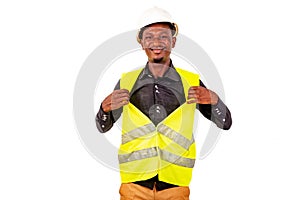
{"points": [[138, 36]]}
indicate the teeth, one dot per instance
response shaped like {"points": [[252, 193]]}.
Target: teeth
{"points": [[157, 48]]}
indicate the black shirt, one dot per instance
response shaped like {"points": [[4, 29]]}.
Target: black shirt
{"points": [[157, 98]]}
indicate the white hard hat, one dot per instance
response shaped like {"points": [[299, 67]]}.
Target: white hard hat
{"points": [[155, 15]]}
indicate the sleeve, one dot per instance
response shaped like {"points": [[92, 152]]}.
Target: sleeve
{"points": [[219, 113], [105, 121]]}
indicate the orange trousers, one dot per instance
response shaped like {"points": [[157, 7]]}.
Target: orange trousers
{"points": [[130, 191]]}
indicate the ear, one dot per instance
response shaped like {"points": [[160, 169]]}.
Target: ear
{"points": [[173, 42]]}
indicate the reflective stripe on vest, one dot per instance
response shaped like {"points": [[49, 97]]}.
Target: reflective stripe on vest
{"points": [[139, 132], [138, 155], [175, 137], [153, 152], [162, 129]]}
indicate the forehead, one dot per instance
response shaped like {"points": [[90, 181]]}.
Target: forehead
{"points": [[158, 27]]}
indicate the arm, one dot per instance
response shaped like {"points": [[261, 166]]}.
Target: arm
{"points": [[111, 108], [210, 105]]}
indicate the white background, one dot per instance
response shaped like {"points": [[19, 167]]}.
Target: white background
{"points": [[254, 45]]}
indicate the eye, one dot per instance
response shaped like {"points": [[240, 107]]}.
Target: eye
{"points": [[163, 37], [148, 37]]}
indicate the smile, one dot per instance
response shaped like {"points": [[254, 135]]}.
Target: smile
{"points": [[157, 49]]}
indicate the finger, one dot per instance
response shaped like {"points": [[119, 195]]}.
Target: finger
{"points": [[190, 101], [122, 99], [122, 91], [125, 102], [117, 101], [191, 91], [193, 96], [195, 89], [119, 95], [117, 105]]}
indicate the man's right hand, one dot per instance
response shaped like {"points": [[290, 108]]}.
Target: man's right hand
{"points": [[115, 100]]}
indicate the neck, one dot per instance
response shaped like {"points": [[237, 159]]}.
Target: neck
{"points": [[158, 69]]}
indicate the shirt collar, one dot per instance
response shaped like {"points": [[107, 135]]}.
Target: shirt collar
{"points": [[171, 73]]}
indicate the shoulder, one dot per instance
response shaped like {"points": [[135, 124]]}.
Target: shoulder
{"points": [[135, 71]]}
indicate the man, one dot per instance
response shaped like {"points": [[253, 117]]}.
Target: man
{"points": [[158, 152]]}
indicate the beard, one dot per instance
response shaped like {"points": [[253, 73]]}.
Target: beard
{"points": [[158, 60]]}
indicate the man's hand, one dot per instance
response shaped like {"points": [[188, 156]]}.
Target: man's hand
{"points": [[202, 95], [115, 100]]}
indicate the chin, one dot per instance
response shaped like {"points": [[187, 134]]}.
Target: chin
{"points": [[158, 60]]}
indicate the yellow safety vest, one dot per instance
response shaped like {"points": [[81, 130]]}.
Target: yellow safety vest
{"points": [[167, 149]]}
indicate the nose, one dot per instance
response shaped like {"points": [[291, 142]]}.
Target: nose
{"points": [[158, 41], [158, 38]]}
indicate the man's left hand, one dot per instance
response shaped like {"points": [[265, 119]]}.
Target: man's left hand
{"points": [[202, 95]]}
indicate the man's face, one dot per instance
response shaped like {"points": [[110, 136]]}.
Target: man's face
{"points": [[157, 41]]}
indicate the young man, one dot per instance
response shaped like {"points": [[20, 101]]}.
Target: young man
{"points": [[158, 102]]}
